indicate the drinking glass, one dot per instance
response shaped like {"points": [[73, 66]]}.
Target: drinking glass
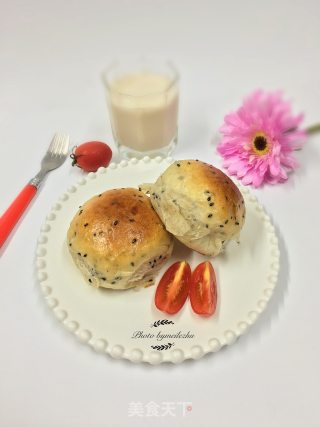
{"points": [[143, 100]]}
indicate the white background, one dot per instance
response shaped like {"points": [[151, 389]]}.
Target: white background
{"points": [[51, 57]]}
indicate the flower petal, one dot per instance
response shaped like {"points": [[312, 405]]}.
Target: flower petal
{"points": [[269, 113], [274, 168], [289, 161]]}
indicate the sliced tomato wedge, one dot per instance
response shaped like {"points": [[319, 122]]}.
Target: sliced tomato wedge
{"points": [[203, 289], [173, 288]]}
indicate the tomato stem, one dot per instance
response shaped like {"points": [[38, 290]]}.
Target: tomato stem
{"points": [[74, 159]]}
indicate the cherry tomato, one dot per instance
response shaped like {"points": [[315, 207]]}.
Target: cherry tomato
{"points": [[90, 156], [203, 289], [173, 288]]}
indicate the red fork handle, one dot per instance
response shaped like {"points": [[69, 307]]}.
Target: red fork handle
{"points": [[12, 215]]}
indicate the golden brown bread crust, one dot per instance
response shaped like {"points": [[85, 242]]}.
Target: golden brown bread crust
{"points": [[198, 204], [226, 196], [114, 235]]}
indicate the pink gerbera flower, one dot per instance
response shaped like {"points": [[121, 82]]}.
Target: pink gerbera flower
{"points": [[259, 139]]}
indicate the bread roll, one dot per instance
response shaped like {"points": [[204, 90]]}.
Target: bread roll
{"points": [[199, 205], [118, 241]]}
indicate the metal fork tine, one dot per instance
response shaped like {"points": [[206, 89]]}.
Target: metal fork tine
{"points": [[59, 142], [53, 146], [54, 157], [65, 144], [56, 147], [63, 149], [60, 146]]}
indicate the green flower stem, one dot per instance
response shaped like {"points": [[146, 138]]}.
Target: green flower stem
{"points": [[313, 129]]}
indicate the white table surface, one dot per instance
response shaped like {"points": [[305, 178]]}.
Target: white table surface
{"points": [[51, 56]]}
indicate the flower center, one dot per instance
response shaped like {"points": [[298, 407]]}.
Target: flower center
{"points": [[260, 144]]}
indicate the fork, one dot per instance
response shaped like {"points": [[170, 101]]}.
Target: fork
{"points": [[54, 157]]}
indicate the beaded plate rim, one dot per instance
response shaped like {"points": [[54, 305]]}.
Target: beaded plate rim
{"points": [[152, 357]]}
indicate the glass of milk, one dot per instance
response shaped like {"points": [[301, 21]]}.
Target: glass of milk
{"points": [[143, 101]]}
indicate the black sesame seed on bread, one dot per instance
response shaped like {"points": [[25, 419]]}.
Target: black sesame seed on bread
{"points": [[199, 205], [118, 241]]}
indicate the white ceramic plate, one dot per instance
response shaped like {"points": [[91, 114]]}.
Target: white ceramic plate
{"points": [[126, 324]]}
